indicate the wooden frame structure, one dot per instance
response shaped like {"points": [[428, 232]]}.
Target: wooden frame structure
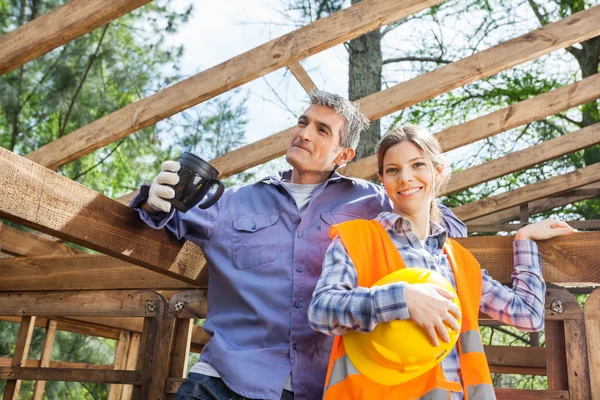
{"points": [[161, 281]]}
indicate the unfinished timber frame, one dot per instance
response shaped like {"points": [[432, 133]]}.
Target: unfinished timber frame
{"points": [[145, 288]]}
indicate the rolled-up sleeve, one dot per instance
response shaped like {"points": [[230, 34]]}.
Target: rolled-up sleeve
{"points": [[523, 305]]}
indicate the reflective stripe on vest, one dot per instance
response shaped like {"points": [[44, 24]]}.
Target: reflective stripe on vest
{"points": [[470, 342], [342, 367], [436, 394], [482, 391]]}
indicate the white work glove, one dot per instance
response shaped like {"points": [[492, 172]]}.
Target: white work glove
{"points": [[159, 191]]}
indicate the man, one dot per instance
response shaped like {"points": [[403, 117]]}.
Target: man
{"points": [[264, 245]]}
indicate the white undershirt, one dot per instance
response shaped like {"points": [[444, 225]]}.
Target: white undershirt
{"points": [[302, 195]]}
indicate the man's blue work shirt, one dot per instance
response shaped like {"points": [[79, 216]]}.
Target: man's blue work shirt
{"points": [[264, 262]]}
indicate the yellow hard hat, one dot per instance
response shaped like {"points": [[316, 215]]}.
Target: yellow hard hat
{"points": [[398, 351]]}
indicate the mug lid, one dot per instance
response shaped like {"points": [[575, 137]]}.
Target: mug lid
{"points": [[194, 159]]}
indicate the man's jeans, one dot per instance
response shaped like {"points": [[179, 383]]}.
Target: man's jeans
{"points": [[202, 387]]}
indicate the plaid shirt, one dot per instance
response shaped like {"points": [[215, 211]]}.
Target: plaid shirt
{"points": [[338, 305]]}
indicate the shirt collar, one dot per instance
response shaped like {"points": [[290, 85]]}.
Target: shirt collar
{"points": [[287, 175], [392, 221]]}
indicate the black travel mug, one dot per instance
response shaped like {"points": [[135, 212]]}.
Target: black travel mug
{"points": [[196, 178]]}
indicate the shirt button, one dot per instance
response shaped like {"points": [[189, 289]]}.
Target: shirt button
{"points": [[299, 269], [253, 226], [297, 305], [299, 236], [294, 346]]}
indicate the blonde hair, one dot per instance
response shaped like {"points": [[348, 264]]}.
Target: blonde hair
{"points": [[432, 152]]}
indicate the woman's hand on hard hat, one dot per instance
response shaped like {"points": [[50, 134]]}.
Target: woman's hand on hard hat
{"points": [[545, 229], [430, 307]]}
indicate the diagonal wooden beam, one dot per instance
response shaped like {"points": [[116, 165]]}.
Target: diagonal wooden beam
{"points": [[59, 26], [574, 29], [46, 201], [337, 28], [534, 191], [538, 206], [302, 77], [13, 386], [81, 272], [486, 126], [524, 159]]}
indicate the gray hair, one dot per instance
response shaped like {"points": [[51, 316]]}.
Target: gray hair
{"points": [[355, 121]]}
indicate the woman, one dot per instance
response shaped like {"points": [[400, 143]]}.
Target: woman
{"points": [[411, 165]]}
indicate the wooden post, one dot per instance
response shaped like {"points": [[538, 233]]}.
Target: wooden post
{"points": [[119, 363], [132, 356], [592, 326], [302, 76], [180, 350], [38, 391], [11, 391]]}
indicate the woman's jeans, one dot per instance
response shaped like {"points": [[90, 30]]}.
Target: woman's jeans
{"points": [[202, 387]]}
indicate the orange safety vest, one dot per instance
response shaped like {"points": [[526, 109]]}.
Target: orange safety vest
{"points": [[374, 255]]}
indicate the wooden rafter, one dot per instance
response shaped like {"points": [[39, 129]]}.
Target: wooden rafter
{"points": [[588, 224], [541, 205], [486, 126], [524, 159], [43, 200], [526, 194], [302, 77], [288, 49], [59, 26], [566, 32], [81, 272]]}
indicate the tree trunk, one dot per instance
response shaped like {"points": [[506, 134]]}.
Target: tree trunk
{"points": [[365, 62]]}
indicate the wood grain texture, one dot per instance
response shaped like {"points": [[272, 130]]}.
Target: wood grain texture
{"points": [[81, 272], [59, 26], [118, 303], [46, 201]]}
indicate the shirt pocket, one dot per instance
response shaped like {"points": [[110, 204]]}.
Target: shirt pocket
{"points": [[255, 240], [327, 220]]}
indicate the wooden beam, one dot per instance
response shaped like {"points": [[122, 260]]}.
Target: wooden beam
{"points": [[30, 363], [572, 258], [80, 272], [537, 206], [523, 394], [59, 26], [38, 390], [516, 360], [46, 201], [486, 126], [20, 243], [11, 390], [591, 312], [531, 192], [526, 158], [590, 224], [327, 32], [189, 304], [71, 375], [118, 303], [302, 76]]}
